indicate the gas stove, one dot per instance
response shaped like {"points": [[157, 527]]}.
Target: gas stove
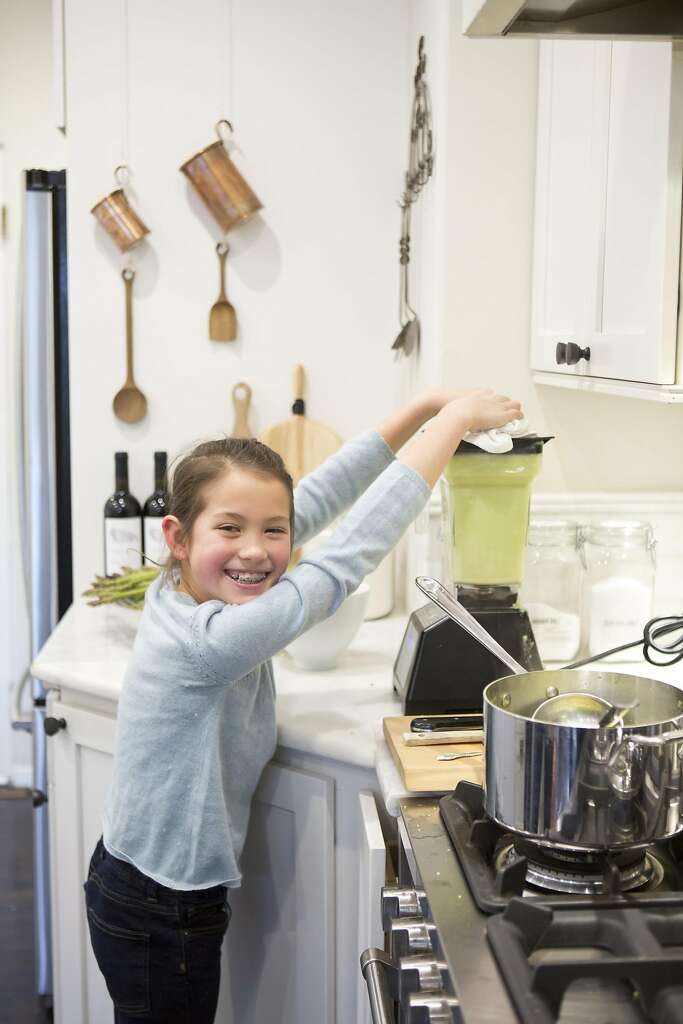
{"points": [[486, 927], [500, 866]]}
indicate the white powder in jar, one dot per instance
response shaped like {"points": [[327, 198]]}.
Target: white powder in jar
{"points": [[618, 609], [557, 633]]}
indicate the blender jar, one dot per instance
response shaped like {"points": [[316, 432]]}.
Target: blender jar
{"points": [[485, 509], [552, 587]]}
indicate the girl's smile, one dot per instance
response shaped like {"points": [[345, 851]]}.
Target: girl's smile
{"points": [[240, 542]]}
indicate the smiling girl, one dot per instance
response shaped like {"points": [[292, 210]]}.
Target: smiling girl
{"points": [[196, 721]]}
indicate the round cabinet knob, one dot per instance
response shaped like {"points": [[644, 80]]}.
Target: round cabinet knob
{"points": [[575, 353], [560, 353], [53, 725]]}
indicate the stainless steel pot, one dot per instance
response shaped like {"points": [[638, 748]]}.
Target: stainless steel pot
{"points": [[578, 786], [584, 787]]}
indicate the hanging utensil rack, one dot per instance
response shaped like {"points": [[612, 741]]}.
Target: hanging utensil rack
{"points": [[420, 168]]}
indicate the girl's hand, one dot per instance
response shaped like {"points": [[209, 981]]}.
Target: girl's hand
{"points": [[475, 410], [483, 410]]}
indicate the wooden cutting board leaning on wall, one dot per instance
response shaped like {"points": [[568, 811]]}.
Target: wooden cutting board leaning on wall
{"points": [[419, 767], [302, 443]]}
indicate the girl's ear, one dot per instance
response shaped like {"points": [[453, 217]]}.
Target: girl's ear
{"points": [[173, 534]]}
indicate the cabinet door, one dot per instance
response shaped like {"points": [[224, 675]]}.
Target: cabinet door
{"points": [[562, 237], [278, 957], [80, 762], [608, 208], [371, 878]]}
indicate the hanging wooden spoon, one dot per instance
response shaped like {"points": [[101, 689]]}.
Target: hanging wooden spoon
{"points": [[130, 405], [222, 317], [241, 397]]}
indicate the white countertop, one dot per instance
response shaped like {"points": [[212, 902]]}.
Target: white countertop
{"points": [[334, 713]]}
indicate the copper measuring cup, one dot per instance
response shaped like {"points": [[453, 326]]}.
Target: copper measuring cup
{"points": [[221, 186], [118, 217]]}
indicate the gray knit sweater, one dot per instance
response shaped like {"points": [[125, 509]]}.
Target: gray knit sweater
{"points": [[196, 721]]}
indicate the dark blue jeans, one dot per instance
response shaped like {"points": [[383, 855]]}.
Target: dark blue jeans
{"points": [[159, 949]]}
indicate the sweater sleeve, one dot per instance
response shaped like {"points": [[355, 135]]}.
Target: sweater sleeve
{"points": [[334, 486], [229, 641]]}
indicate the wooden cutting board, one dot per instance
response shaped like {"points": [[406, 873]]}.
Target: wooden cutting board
{"points": [[420, 770], [302, 443]]}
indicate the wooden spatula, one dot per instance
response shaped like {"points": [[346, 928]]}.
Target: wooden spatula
{"points": [[302, 443], [222, 316], [241, 397]]}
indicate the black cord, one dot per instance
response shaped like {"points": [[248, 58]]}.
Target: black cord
{"points": [[654, 629]]}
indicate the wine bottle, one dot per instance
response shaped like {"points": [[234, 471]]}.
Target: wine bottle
{"points": [[122, 523], [153, 511]]}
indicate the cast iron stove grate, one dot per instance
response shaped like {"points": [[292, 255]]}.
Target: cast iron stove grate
{"points": [[636, 945], [495, 880]]}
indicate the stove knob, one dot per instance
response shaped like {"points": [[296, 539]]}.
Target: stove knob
{"points": [[400, 902], [421, 974], [409, 936], [433, 1008]]}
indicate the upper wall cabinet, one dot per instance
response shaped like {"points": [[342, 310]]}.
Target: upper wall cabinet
{"points": [[607, 232]]}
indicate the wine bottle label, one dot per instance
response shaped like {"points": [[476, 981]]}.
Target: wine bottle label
{"points": [[156, 549], [122, 544]]}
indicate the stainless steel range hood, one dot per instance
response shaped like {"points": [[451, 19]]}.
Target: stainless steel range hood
{"points": [[579, 19]]}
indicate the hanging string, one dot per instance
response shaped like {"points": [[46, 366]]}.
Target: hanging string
{"points": [[122, 172], [226, 95], [125, 88], [231, 62]]}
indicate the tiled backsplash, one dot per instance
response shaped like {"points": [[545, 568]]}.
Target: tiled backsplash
{"points": [[663, 511]]}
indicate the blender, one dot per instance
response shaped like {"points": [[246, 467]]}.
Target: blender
{"points": [[440, 669]]}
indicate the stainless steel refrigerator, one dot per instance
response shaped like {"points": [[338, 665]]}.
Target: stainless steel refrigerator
{"points": [[45, 485]]}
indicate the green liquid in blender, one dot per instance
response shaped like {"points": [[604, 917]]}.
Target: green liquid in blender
{"points": [[486, 516]]}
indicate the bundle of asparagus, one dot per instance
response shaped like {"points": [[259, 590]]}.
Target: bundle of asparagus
{"points": [[127, 588]]}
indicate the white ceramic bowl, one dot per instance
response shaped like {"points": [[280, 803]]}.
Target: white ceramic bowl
{"points": [[321, 645]]}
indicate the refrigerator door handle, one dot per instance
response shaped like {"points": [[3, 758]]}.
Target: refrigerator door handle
{"points": [[21, 720]]}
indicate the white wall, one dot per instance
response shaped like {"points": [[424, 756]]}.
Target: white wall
{"points": [[28, 138], [602, 443], [320, 108]]}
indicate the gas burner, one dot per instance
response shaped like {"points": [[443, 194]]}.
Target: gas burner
{"points": [[499, 866], [588, 874]]}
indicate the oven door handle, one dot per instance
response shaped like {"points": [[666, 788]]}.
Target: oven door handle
{"points": [[381, 977]]}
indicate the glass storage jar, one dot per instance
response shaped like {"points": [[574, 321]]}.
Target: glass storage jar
{"points": [[551, 592], [619, 591]]}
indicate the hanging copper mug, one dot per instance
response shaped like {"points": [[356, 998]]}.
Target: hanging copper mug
{"points": [[117, 216], [220, 184]]}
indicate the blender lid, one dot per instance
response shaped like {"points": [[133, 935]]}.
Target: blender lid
{"points": [[530, 444]]}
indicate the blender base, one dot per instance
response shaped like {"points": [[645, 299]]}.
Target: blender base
{"points": [[440, 669]]}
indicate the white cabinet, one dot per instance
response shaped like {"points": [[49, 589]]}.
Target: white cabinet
{"points": [[278, 957], [372, 876], [313, 867], [607, 223], [80, 760]]}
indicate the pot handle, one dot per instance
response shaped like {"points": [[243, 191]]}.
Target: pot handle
{"points": [[654, 741], [636, 738]]}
